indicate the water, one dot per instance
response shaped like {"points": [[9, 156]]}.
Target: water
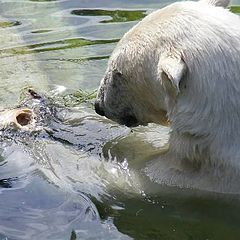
{"points": [[82, 178]]}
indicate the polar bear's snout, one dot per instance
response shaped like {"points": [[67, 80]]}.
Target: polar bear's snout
{"points": [[114, 99], [128, 120]]}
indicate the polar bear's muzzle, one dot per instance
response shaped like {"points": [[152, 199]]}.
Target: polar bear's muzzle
{"points": [[114, 100], [126, 119], [130, 121]]}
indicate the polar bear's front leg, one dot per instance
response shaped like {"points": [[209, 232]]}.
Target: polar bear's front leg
{"points": [[169, 170]]}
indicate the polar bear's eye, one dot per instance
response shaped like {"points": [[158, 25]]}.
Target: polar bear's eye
{"points": [[117, 73]]}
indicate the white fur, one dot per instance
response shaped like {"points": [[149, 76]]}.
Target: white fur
{"points": [[185, 59], [218, 3]]}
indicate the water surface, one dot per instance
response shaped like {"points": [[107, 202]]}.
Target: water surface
{"points": [[82, 178]]}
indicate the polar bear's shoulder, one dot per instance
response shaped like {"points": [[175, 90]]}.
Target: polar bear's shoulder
{"points": [[184, 17], [187, 9]]}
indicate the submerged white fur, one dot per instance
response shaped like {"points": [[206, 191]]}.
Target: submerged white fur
{"points": [[183, 60]]}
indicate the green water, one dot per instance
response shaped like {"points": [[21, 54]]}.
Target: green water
{"points": [[84, 179], [116, 15]]}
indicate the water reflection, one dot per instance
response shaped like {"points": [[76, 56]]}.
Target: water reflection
{"points": [[52, 172], [42, 211], [52, 46], [116, 15]]}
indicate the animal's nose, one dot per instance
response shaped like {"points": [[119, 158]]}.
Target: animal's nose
{"points": [[98, 109], [130, 121]]}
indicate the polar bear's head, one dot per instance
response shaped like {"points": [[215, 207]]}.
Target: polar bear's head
{"points": [[151, 68], [127, 94], [136, 89]]}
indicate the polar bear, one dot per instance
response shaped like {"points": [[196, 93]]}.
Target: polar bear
{"points": [[180, 66]]}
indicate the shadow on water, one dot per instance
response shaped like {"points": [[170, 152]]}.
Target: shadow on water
{"points": [[116, 15], [9, 24], [41, 31], [7, 183]]}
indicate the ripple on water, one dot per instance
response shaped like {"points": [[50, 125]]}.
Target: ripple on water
{"points": [[42, 211], [115, 15], [53, 46], [41, 31], [49, 200]]}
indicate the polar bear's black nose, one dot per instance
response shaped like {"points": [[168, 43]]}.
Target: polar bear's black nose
{"points": [[130, 121], [98, 109]]}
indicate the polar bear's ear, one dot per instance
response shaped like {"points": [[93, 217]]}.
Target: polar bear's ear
{"points": [[217, 3], [172, 68]]}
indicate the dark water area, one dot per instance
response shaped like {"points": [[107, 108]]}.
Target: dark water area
{"points": [[81, 176]]}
